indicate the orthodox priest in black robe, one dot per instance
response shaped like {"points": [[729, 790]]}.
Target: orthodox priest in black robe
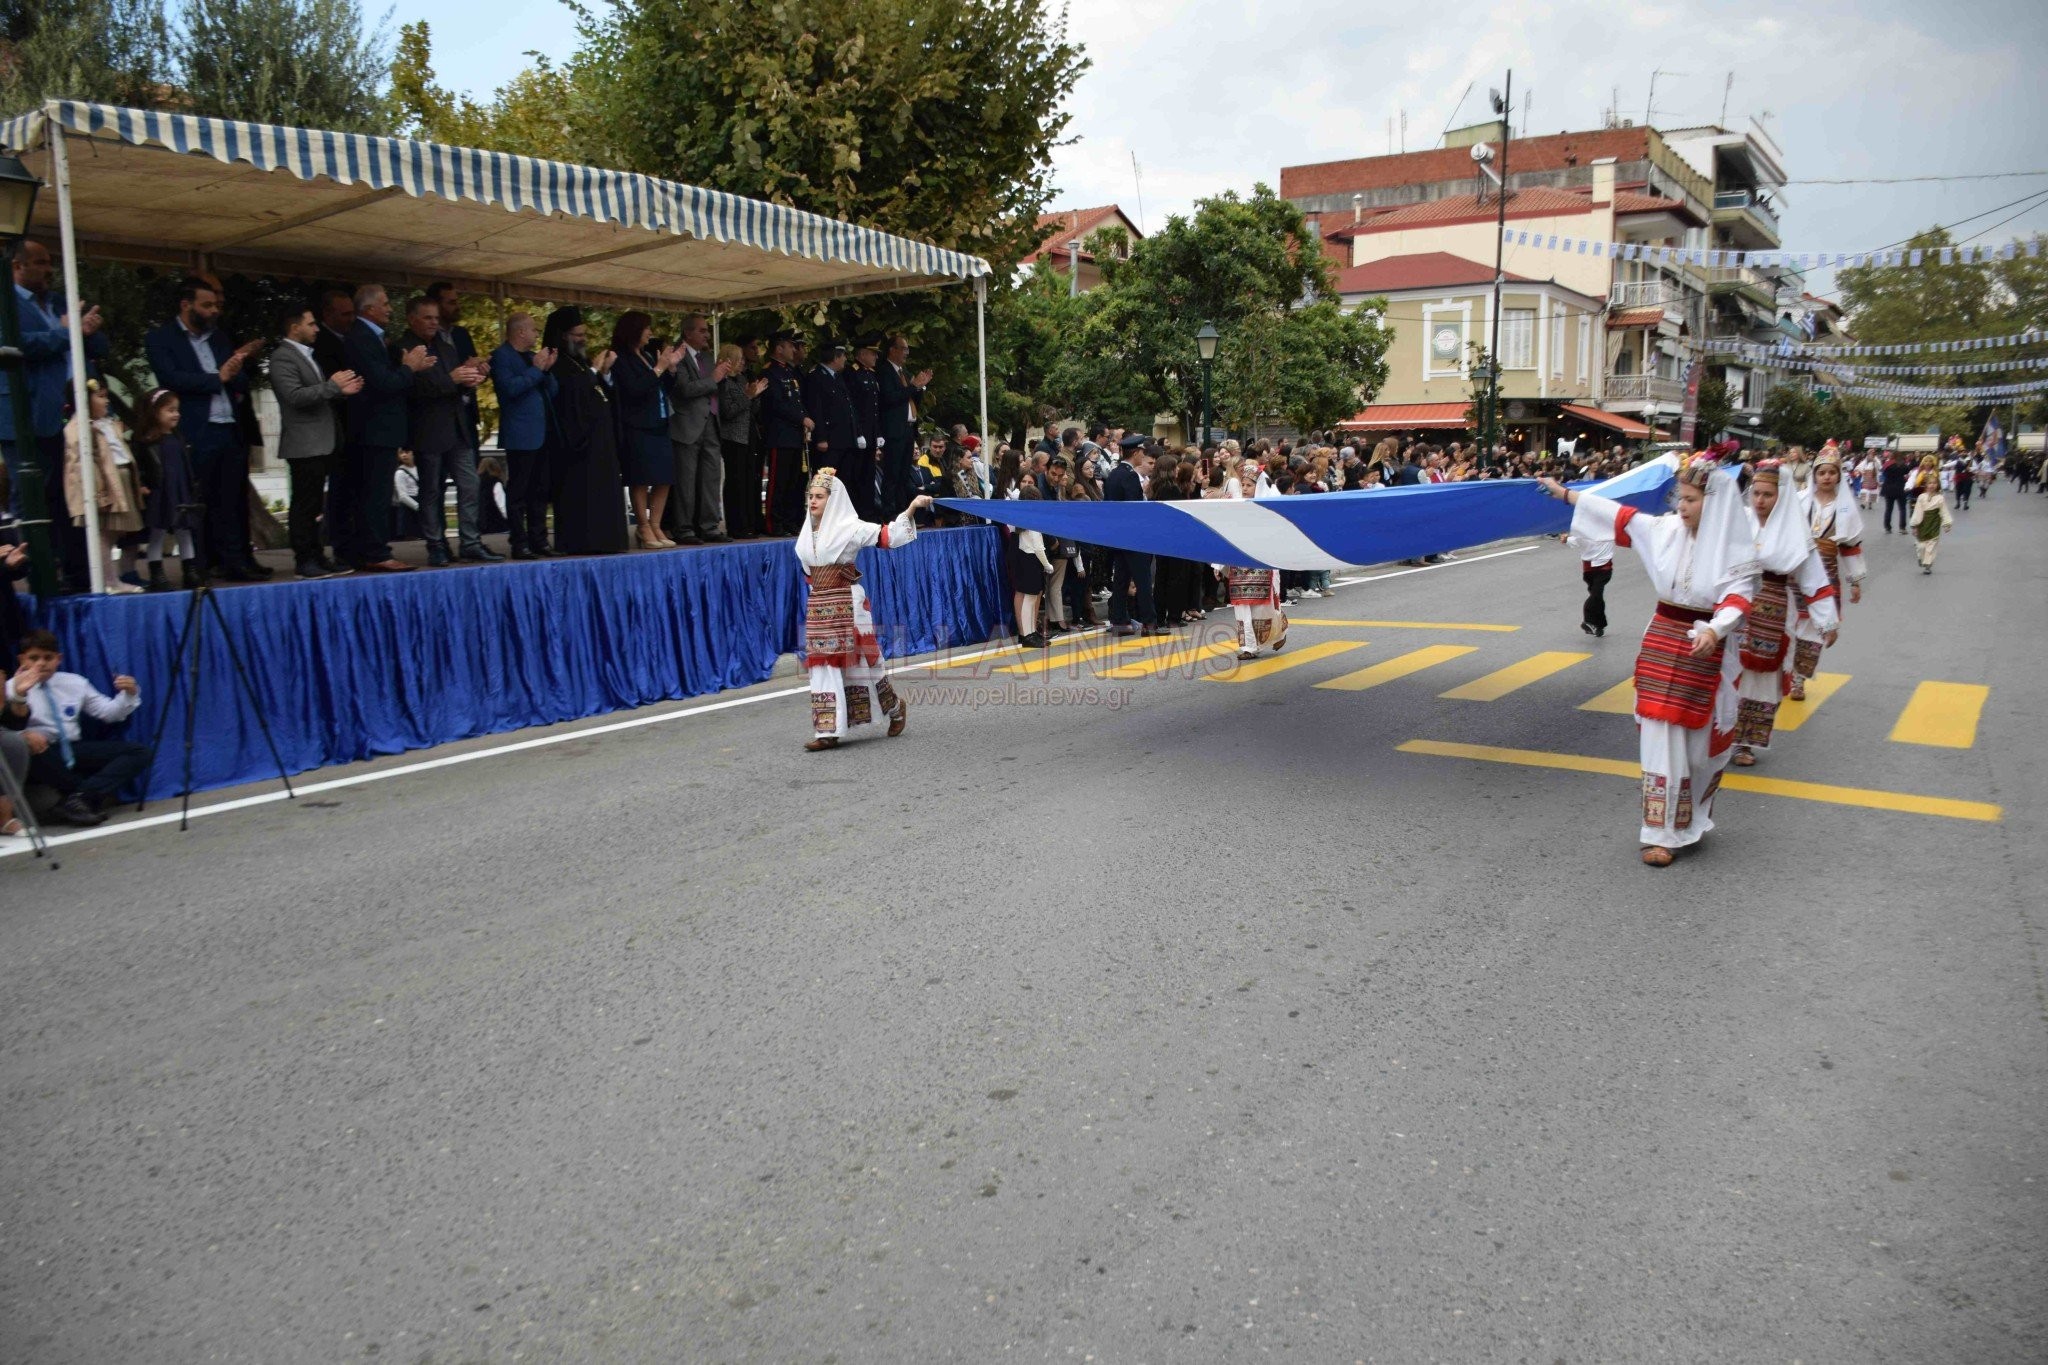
{"points": [[590, 494]]}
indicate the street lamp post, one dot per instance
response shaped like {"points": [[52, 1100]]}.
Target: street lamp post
{"points": [[1206, 342], [1650, 421], [1754, 422], [1504, 106], [18, 190]]}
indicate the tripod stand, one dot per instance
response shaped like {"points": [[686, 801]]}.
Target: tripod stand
{"points": [[186, 659], [11, 788]]}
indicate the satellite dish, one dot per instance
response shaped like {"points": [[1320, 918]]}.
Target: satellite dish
{"points": [[1499, 105], [1482, 152]]}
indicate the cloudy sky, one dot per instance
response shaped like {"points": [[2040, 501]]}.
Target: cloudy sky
{"points": [[1219, 94]]}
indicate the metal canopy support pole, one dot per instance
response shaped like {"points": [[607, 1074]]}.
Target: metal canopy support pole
{"points": [[714, 335], [1500, 241], [88, 471], [981, 357]]}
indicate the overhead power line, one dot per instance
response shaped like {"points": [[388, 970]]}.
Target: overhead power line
{"points": [[1913, 179]]}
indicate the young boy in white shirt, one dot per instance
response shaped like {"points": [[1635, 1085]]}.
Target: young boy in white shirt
{"points": [[86, 772]]}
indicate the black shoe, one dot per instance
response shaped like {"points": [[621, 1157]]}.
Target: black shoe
{"points": [[1583, 626], [191, 575], [1125, 629], [157, 581], [132, 579], [477, 554], [545, 552], [685, 538], [241, 574], [257, 572], [76, 810], [715, 538], [521, 552], [1032, 641], [310, 568], [437, 556]]}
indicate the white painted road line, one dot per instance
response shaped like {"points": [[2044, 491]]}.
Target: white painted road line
{"points": [[16, 847], [1449, 564]]}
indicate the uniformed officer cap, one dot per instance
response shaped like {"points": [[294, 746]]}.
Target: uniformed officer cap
{"points": [[868, 341], [777, 338], [1133, 441]]}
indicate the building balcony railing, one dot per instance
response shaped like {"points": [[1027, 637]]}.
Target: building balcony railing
{"points": [[1748, 202], [1638, 389], [1645, 294], [1747, 279]]}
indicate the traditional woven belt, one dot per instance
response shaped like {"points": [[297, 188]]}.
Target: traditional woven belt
{"points": [[828, 576]]}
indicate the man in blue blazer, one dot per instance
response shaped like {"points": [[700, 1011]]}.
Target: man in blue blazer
{"points": [[376, 418], [46, 378], [193, 358], [522, 377]]}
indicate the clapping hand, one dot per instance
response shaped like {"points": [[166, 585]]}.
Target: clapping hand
{"points": [[757, 388], [722, 371], [469, 374], [602, 361], [544, 358], [417, 359], [669, 358], [232, 366], [347, 381], [13, 556], [924, 377]]}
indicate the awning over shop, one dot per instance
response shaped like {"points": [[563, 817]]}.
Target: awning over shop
{"points": [[183, 191], [1406, 416], [1613, 421], [1635, 317]]}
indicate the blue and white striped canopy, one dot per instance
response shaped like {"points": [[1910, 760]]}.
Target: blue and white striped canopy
{"points": [[1327, 531], [721, 249]]}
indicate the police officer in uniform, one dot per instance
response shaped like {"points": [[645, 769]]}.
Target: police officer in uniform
{"points": [[784, 433], [864, 388], [833, 433]]}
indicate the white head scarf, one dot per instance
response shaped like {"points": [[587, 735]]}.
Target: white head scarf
{"points": [[838, 536], [1724, 548], [1783, 542]]}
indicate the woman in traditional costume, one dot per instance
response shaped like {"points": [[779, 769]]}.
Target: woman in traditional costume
{"points": [[1702, 564], [1790, 563], [1255, 593], [1836, 524], [1930, 515], [848, 684]]}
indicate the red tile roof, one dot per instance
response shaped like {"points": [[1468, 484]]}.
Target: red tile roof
{"points": [[1064, 226], [1423, 270], [1635, 317], [1613, 421], [1535, 202], [1439, 164], [1625, 203], [1402, 416]]}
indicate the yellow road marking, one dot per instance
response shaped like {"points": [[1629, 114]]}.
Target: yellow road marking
{"points": [[1394, 625], [1185, 654], [1943, 714], [1514, 677], [1253, 670], [1618, 700], [1819, 687], [1414, 661], [1943, 806], [1056, 660]]}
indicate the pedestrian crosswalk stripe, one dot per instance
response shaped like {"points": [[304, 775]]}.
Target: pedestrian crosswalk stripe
{"points": [[1942, 714], [1618, 700], [1253, 670], [1186, 654], [1821, 686], [1051, 661], [1865, 797], [1516, 676], [1429, 656], [1395, 625]]}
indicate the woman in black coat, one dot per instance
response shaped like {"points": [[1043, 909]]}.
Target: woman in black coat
{"points": [[642, 376], [590, 516]]}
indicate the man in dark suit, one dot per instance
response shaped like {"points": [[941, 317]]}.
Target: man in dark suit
{"points": [[439, 435], [862, 470], [1128, 568], [193, 358], [449, 304], [698, 500], [901, 394], [308, 434], [830, 409], [785, 429], [376, 417]]}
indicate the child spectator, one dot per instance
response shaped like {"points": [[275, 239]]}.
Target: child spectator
{"points": [[87, 773]]}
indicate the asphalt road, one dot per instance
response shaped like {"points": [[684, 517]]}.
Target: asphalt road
{"points": [[1206, 1025]]}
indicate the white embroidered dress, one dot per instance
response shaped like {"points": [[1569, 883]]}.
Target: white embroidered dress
{"points": [[849, 686]]}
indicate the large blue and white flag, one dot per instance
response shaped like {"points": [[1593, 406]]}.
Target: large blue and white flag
{"points": [[1328, 530]]}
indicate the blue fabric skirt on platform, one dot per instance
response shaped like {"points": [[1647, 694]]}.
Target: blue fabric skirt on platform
{"points": [[350, 668]]}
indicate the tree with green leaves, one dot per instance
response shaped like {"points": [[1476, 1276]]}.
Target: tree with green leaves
{"points": [[1239, 264], [1715, 410], [311, 63], [536, 113], [108, 51]]}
